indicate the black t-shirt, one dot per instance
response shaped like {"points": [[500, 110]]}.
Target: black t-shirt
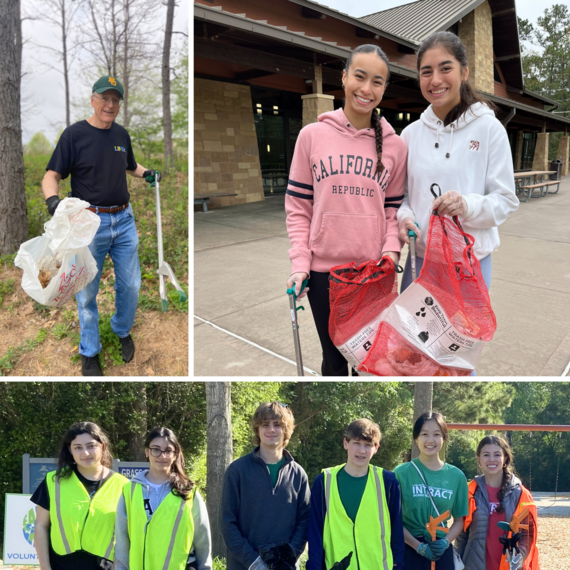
{"points": [[97, 160], [80, 559]]}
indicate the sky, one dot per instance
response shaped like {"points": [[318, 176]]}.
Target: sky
{"points": [[43, 93]]}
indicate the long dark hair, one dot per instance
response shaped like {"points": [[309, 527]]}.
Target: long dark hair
{"points": [[436, 417], [454, 46], [65, 460], [180, 484], [508, 467], [375, 119]]}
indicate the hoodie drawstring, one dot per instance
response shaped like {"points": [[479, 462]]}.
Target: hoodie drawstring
{"points": [[448, 154], [437, 135]]}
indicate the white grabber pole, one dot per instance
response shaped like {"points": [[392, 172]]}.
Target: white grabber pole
{"points": [[412, 236], [164, 270], [295, 325]]}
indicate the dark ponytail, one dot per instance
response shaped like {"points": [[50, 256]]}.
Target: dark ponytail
{"points": [[375, 119], [180, 484], [508, 467], [454, 46]]}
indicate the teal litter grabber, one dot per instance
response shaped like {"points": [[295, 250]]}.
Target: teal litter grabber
{"points": [[295, 325], [164, 269]]}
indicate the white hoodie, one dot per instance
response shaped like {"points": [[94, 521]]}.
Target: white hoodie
{"points": [[473, 157]]}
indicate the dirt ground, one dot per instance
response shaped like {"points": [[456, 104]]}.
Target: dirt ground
{"points": [[161, 339]]}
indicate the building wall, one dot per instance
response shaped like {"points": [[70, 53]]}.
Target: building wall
{"points": [[476, 32], [226, 157]]}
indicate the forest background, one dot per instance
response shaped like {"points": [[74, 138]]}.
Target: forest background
{"points": [[139, 42], [35, 415]]}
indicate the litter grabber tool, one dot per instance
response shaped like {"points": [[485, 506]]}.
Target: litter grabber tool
{"points": [[510, 543], [343, 564], [433, 527], [412, 236], [295, 325], [164, 269]]}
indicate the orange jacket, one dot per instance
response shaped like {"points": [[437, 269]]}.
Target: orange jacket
{"points": [[526, 501]]}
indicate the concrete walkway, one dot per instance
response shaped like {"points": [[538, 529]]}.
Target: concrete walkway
{"points": [[241, 268]]}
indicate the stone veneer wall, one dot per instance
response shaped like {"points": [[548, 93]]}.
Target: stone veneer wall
{"points": [[314, 105], [540, 160], [476, 33], [226, 156]]}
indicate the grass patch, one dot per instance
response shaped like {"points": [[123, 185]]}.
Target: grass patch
{"points": [[8, 361]]}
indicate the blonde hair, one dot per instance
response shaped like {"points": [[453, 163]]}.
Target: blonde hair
{"points": [[273, 411]]}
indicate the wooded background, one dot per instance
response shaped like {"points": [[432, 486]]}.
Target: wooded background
{"points": [[35, 415]]}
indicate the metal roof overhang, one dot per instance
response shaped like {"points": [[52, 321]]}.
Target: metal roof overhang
{"points": [[280, 33]]}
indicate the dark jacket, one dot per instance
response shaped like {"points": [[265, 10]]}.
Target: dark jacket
{"points": [[317, 521], [255, 514]]}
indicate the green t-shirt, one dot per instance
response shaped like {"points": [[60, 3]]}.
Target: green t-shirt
{"points": [[350, 490], [448, 488], [274, 471]]}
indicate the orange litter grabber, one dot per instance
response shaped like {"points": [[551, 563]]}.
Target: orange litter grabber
{"points": [[510, 543], [433, 528]]}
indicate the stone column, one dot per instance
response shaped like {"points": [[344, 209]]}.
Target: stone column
{"points": [[476, 33], [518, 150], [540, 160], [314, 105], [563, 147]]}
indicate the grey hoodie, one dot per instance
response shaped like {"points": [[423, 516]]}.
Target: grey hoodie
{"points": [[472, 544], [202, 543]]}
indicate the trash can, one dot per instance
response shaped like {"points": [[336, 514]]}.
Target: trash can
{"points": [[556, 165]]}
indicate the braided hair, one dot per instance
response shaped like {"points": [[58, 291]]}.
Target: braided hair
{"points": [[508, 467], [375, 119]]}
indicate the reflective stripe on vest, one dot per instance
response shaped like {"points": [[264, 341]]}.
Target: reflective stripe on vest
{"points": [[342, 536], [164, 542], [83, 523]]}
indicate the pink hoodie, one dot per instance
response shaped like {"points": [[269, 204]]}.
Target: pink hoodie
{"points": [[339, 210]]}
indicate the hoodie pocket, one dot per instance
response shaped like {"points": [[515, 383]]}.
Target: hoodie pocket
{"points": [[348, 237]]}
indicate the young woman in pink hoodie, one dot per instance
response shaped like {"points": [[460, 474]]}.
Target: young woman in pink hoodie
{"points": [[345, 186]]}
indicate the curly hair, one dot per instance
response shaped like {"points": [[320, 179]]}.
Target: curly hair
{"points": [[273, 411], [508, 465], [180, 484], [65, 461], [374, 119], [363, 429]]}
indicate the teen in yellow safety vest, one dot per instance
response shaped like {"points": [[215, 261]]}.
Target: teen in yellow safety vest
{"points": [[497, 496], [162, 521], [355, 509], [77, 504]]}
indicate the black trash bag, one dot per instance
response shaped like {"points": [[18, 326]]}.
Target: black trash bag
{"points": [[343, 564], [278, 556]]}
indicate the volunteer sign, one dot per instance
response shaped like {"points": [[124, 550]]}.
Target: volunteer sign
{"points": [[19, 527]]}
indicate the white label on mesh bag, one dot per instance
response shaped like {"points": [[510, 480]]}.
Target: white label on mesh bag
{"points": [[417, 315], [356, 349]]}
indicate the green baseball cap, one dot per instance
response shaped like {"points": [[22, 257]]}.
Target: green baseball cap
{"points": [[105, 83]]}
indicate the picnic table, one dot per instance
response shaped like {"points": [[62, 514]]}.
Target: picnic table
{"points": [[204, 199], [527, 182]]}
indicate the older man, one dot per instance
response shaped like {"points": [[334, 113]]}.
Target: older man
{"points": [[96, 153]]}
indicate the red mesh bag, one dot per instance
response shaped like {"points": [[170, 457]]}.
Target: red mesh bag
{"points": [[358, 295], [438, 325]]}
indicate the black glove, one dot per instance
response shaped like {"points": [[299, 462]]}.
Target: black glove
{"points": [[52, 204], [150, 176], [278, 557], [343, 564]]}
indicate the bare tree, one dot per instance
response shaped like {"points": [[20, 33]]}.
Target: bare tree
{"points": [[219, 453], [61, 15], [122, 40], [136, 437], [166, 116], [13, 213], [423, 398]]}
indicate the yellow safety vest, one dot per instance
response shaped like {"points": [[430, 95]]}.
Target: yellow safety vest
{"points": [[164, 542], [79, 522], [368, 538]]}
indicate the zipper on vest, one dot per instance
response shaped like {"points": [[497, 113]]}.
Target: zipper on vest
{"points": [[355, 547]]}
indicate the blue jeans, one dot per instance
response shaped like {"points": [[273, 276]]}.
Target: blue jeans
{"points": [[486, 270], [117, 236]]}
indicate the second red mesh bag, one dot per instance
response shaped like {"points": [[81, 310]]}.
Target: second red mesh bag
{"points": [[358, 295], [439, 324]]}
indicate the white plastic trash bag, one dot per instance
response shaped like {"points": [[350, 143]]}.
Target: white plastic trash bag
{"points": [[58, 264]]}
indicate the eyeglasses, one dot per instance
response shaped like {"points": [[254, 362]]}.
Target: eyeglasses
{"points": [[108, 100], [157, 452]]}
